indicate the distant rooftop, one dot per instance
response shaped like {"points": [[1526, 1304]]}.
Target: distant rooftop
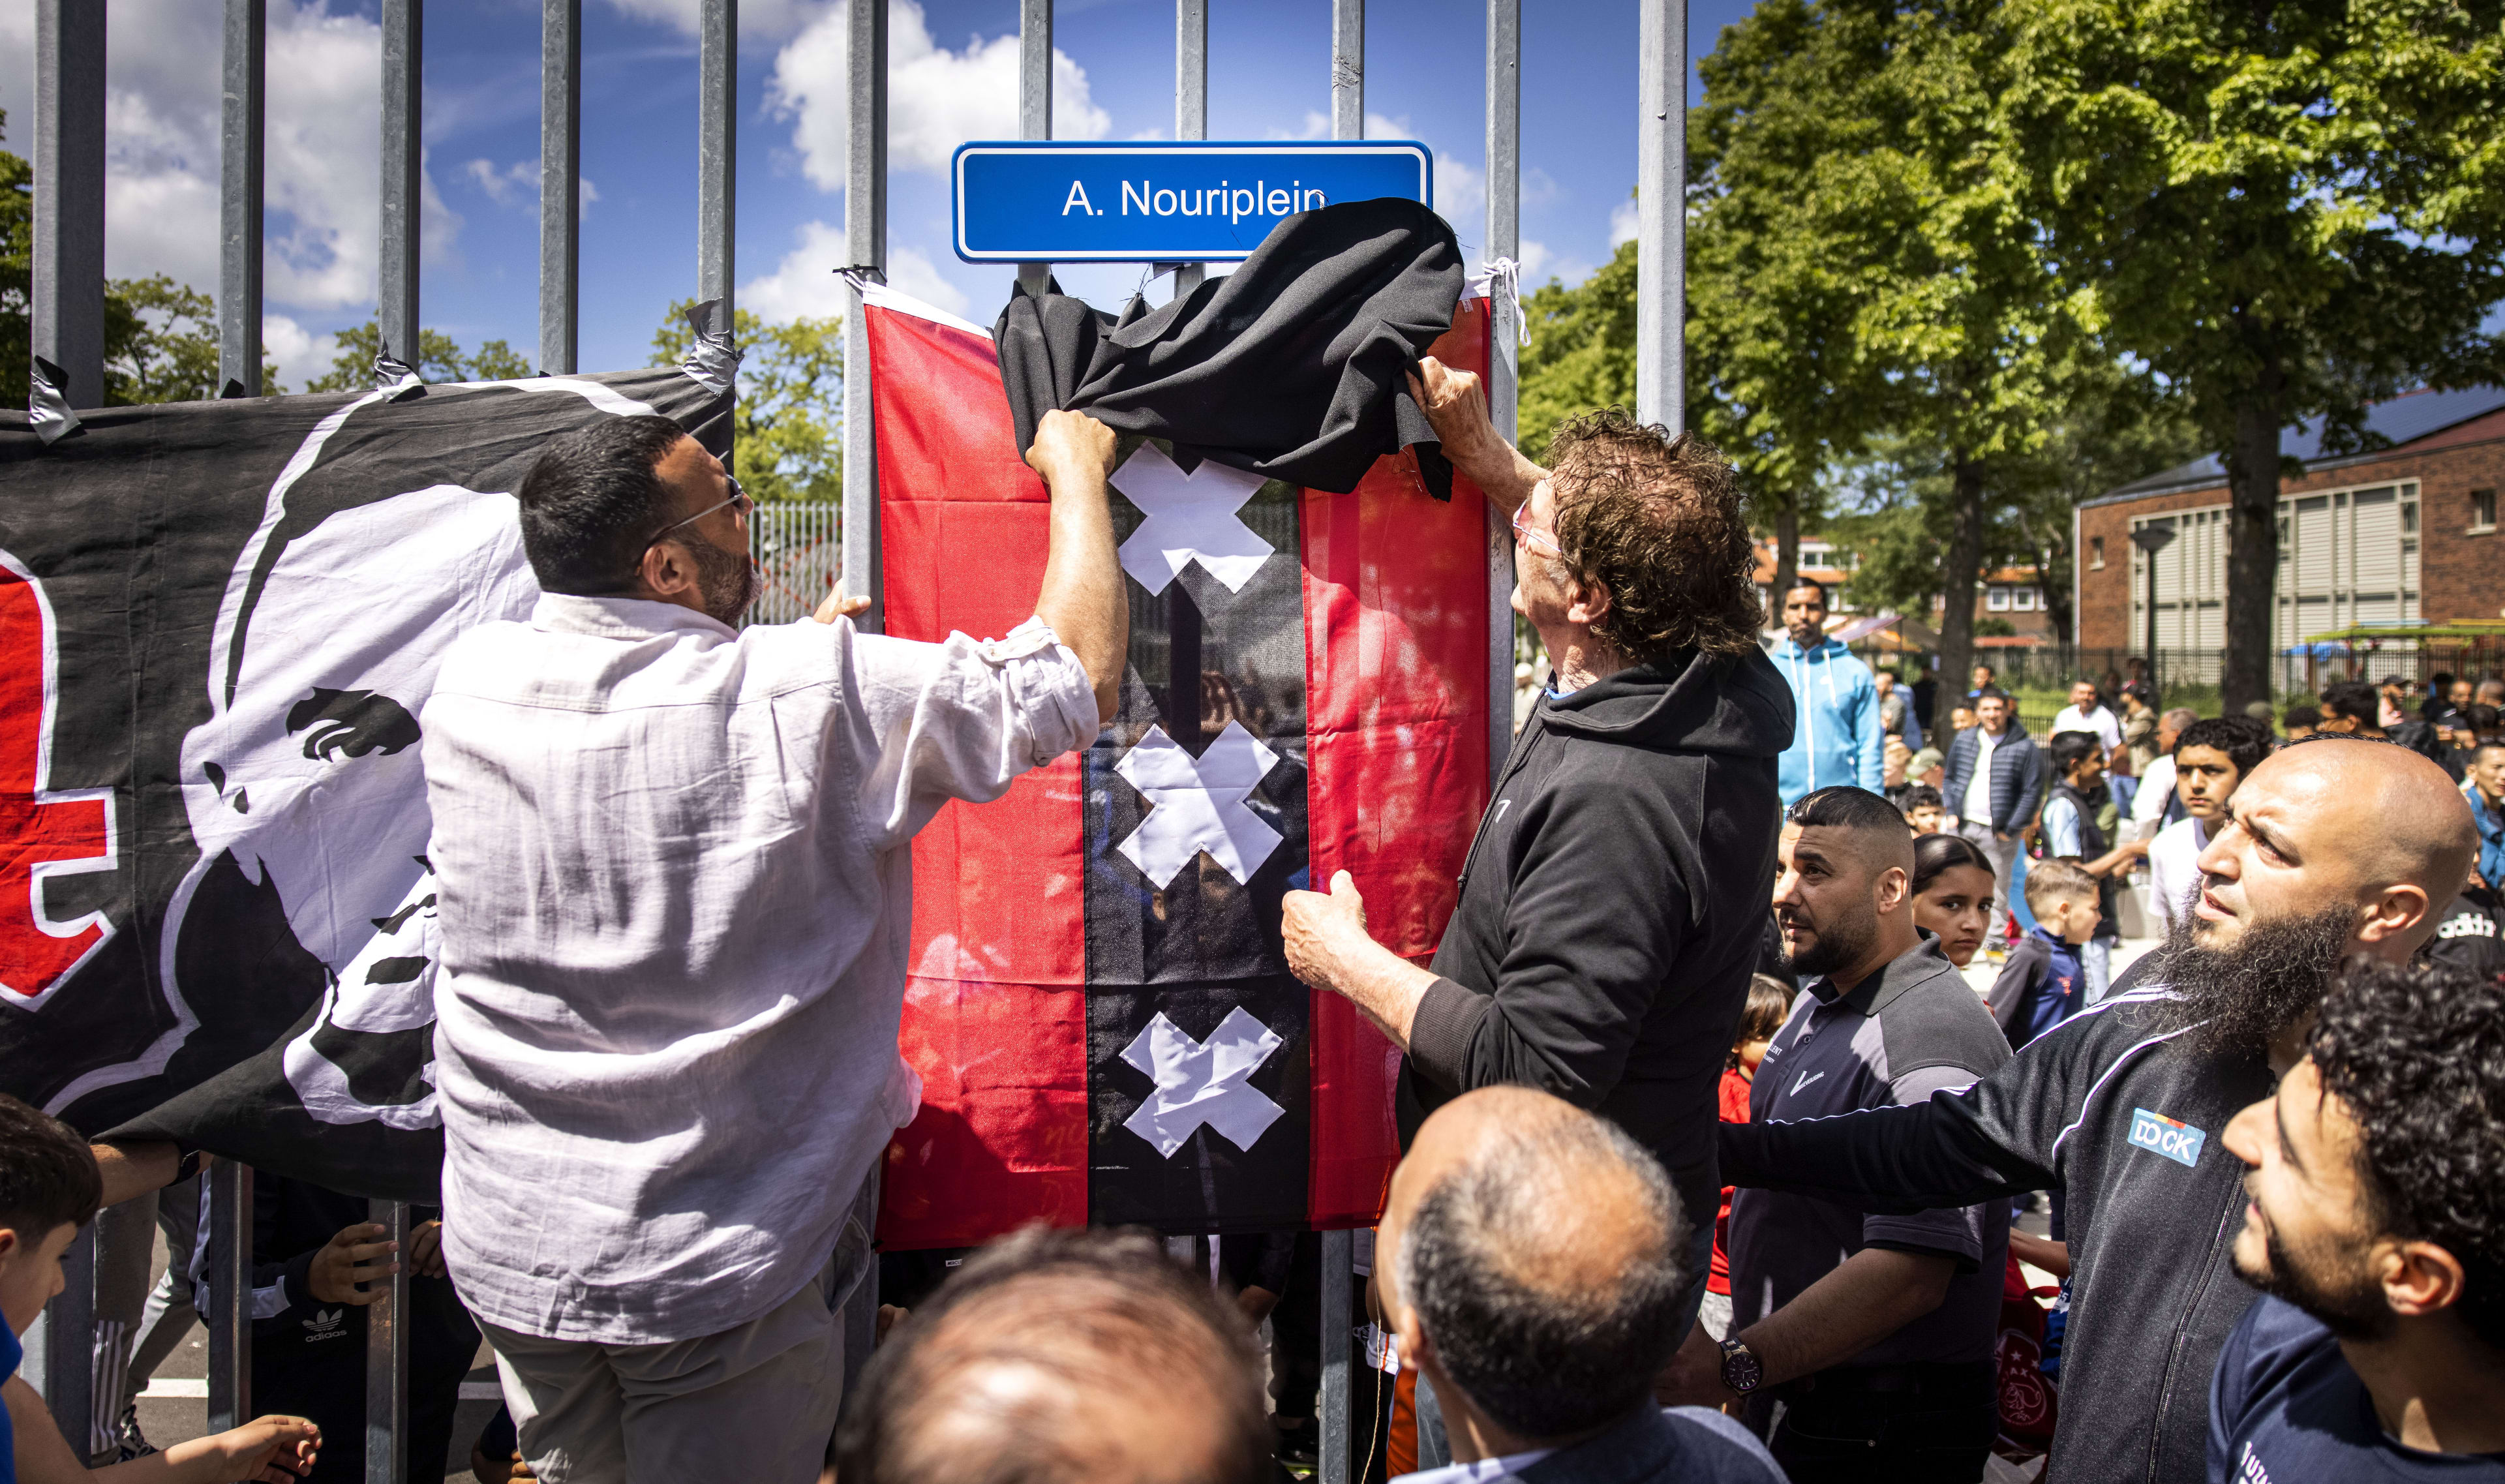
{"points": [[2403, 419]]}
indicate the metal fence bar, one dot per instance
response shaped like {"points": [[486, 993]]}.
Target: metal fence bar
{"points": [[1339, 1264], [1348, 69], [716, 150], [1503, 383], [404, 100], [228, 1276], [866, 248], [1035, 100], [69, 194], [239, 196], [1661, 221], [387, 1354], [560, 182], [60, 1345], [1192, 101]]}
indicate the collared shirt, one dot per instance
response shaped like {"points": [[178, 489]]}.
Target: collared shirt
{"points": [[2098, 721], [1976, 806], [1910, 1030], [674, 876]]}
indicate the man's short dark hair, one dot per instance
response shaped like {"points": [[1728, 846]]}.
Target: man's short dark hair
{"points": [[2418, 1056], [2244, 741], [48, 1176], [1922, 795], [2069, 749], [2356, 700], [594, 500], [1108, 1316], [1843, 806], [2300, 717], [1655, 517], [2482, 719], [1810, 583], [1543, 1363], [1988, 693]]}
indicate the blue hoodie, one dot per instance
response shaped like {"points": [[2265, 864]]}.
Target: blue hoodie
{"points": [[1837, 740]]}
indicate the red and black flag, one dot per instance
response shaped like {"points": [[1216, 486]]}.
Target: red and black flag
{"points": [[1099, 1006], [219, 624]]}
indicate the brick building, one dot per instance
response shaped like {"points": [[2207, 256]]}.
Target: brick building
{"points": [[2405, 533]]}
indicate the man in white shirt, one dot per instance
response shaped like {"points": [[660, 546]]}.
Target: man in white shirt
{"points": [[2155, 800], [674, 886], [2210, 758], [2088, 713]]}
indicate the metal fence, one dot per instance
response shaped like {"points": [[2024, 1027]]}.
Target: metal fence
{"points": [[800, 547], [2176, 672], [799, 552]]}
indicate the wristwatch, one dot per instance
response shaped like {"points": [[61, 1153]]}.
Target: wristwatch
{"points": [[1741, 1371]]}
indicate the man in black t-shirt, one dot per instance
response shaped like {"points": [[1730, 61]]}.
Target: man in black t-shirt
{"points": [[2377, 1229]]}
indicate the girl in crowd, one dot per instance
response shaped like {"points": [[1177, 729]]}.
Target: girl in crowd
{"points": [[1951, 894]]}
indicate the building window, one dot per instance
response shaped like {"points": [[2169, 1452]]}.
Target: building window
{"points": [[2023, 599], [1998, 600], [2095, 553], [2482, 509]]}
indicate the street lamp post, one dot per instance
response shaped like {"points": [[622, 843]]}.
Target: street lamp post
{"points": [[2152, 538]]}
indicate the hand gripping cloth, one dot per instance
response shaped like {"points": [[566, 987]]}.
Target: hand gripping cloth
{"points": [[1292, 368]]}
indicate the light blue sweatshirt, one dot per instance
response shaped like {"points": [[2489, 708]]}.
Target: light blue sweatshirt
{"points": [[1837, 740]]}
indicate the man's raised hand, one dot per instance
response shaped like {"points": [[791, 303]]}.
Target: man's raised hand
{"points": [[1456, 405], [356, 1255], [1069, 444]]}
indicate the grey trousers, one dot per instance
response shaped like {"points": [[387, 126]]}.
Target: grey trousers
{"points": [[756, 1403]]}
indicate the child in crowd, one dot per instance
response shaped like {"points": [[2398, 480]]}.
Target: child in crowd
{"points": [[1922, 808], [2044, 982], [49, 1189], [1770, 1004], [1951, 890], [2300, 720], [2078, 826]]}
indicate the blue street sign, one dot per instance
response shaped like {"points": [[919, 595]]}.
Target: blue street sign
{"points": [[1038, 201]]}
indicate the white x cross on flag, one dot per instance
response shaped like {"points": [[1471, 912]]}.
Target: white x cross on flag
{"points": [[1191, 517], [1202, 1082], [1198, 803]]}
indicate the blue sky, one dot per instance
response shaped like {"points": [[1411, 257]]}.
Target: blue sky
{"points": [[952, 77]]}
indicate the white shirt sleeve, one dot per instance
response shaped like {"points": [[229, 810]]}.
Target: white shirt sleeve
{"points": [[2156, 792], [961, 719]]}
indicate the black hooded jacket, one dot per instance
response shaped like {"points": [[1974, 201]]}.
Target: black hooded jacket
{"points": [[1612, 905]]}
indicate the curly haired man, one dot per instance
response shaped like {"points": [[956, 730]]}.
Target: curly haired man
{"points": [[1615, 902], [2376, 1232]]}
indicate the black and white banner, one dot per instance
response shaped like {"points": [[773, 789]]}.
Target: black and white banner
{"points": [[222, 621]]}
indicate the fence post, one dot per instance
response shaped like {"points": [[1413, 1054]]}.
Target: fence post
{"points": [[68, 278], [1035, 100], [865, 247], [239, 196], [560, 180], [387, 1352], [1661, 215], [403, 24], [228, 1276], [1191, 102], [1504, 381], [60, 1345]]}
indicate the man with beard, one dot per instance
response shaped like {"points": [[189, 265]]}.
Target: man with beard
{"points": [[674, 880], [1875, 1332], [2377, 1228], [2331, 848]]}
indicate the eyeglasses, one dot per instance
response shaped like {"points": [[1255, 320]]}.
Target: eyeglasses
{"points": [[739, 501], [1531, 538]]}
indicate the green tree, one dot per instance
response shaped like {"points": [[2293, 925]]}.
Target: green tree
{"points": [[439, 358], [1862, 260], [16, 272], [2286, 207], [787, 442]]}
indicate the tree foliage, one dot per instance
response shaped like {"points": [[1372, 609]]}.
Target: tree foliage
{"points": [[439, 358], [2287, 207], [786, 433]]}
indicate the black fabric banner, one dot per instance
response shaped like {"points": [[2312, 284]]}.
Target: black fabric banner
{"points": [[1188, 993], [213, 821]]}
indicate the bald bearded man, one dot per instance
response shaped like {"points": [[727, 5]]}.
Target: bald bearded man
{"points": [[1534, 1277], [2335, 847], [1062, 1358]]}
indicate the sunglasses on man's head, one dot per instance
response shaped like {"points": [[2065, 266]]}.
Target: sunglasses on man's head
{"points": [[1538, 542], [739, 501]]}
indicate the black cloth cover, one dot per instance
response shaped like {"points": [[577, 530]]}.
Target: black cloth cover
{"points": [[1293, 367]]}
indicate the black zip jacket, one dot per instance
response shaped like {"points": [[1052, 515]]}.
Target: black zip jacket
{"points": [[1612, 909], [2130, 1126]]}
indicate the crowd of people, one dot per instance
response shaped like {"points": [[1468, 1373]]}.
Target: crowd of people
{"points": [[1711, 1149]]}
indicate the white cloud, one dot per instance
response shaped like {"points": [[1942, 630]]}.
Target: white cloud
{"points": [[759, 19], [300, 354], [1540, 264], [506, 186], [1622, 223], [322, 142], [937, 98], [804, 285]]}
